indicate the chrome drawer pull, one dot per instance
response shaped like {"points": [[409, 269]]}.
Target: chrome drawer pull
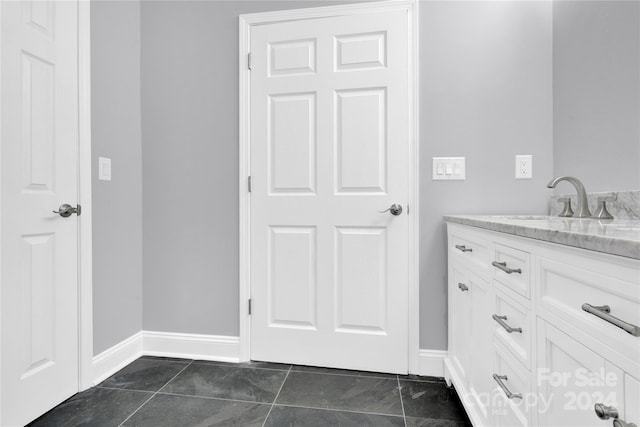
{"points": [[605, 412], [463, 248], [463, 287], [602, 311], [620, 423], [501, 321], [503, 266], [504, 388]]}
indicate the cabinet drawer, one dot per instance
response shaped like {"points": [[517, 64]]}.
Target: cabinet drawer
{"points": [[469, 248], [511, 313], [510, 410], [571, 379], [564, 289], [512, 267]]}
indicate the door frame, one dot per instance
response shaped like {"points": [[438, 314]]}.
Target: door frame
{"points": [[246, 22], [85, 294], [85, 230]]}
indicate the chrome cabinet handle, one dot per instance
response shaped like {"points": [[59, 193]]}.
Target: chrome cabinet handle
{"points": [[463, 287], [66, 210], [503, 266], [463, 248], [602, 311], [620, 423], [501, 321], [394, 209], [605, 412], [504, 388]]}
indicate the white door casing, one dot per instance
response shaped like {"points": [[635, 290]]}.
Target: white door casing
{"points": [[330, 147], [40, 116]]}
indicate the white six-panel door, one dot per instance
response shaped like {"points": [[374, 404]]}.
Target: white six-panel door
{"points": [[39, 87], [329, 150]]}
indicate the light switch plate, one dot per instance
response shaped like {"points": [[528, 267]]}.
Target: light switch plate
{"points": [[448, 168], [104, 169]]}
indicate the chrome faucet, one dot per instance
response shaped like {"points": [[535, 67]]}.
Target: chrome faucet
{"points": [[582, 210]]}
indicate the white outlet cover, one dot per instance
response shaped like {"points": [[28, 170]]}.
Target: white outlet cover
{"points": [[524, 166]]}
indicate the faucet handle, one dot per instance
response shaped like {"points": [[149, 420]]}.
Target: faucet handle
{"points": [[566, 211], [602, 212], [607, 198]]}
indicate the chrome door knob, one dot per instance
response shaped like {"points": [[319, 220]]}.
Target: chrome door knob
{"points": [[66, 210], [395, 209]]}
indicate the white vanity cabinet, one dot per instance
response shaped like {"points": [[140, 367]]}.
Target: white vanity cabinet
{"points": [[531, 342]]}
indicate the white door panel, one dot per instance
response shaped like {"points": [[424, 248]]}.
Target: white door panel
{"points": [[329, 150], [39, 138]]}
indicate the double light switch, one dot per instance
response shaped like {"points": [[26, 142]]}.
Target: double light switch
{"points": [[448, 168]]}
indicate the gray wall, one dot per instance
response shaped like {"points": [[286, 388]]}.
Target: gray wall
{"points": [[596, 66], [117, 205], [485, 94], [189, 86]]}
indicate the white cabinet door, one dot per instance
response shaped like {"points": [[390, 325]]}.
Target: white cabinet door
{"points": [[572, 379], [480, 337], [329, 151], [460, 322], [39, 86]]}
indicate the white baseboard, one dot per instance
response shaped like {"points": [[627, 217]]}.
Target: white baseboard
{"points": [[192, 346], [117, 357], [165, 344], [205, 347], [432, 363]]}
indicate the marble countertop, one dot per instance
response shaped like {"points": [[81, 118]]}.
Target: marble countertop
{"points": [[616, 237]]}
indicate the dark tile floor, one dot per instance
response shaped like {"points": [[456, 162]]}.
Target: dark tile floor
{"points": [[177, 392]]}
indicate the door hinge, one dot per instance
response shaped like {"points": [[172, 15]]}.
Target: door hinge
{"points": [[249, 60], [407, 209], [249, 306], [249, 184]]}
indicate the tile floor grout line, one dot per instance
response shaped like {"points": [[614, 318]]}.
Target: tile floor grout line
{"points": [[276, 398], [124, 389], [421, 381], [174, 377], [288, 405], [154, 394], [404, 414], [213, 398], [345, 375], [239, 367]]}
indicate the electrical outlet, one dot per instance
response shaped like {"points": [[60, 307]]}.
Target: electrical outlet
{"points": [[524, 166]]}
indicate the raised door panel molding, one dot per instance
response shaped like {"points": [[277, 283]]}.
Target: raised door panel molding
{"points": [[361, 51], [291, 288], [294, 57]]}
